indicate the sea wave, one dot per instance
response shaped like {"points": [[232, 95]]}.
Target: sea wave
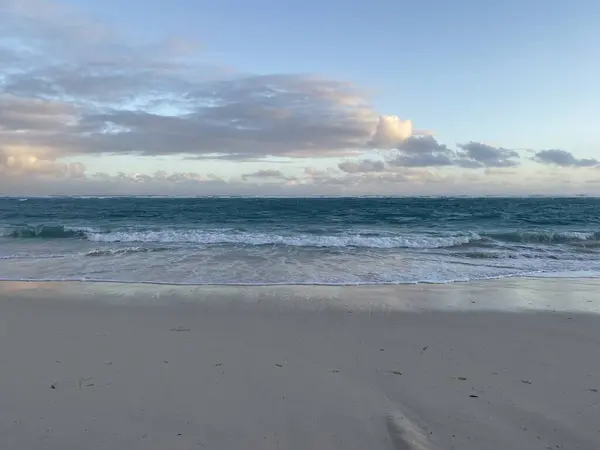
{"points": [[228, 236], [298, 240], [124, 251], [541, 237], [303, 239], [31, 256], [45, 231], [516, 255]]}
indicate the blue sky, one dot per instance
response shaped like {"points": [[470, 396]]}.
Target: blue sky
{"points": [[515, 76]]}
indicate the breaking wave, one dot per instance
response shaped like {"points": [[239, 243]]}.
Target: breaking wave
{"points": [[357, 240], [30, 256], [541, 237], [297, 240], [124, 251], [45, 231], [511, 255]]}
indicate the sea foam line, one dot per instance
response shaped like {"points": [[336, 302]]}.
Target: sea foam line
{"points": [[525, 275], [300, 240], [348, 239]]}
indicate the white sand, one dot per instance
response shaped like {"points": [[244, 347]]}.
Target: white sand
{"points": [[158, 367]]}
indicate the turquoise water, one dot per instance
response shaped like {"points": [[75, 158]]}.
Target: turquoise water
{"points": [[297, 241]]}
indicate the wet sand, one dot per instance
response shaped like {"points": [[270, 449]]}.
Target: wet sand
{"points": [[511, 364]]}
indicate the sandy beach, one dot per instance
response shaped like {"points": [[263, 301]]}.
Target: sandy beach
{"points": [[512, 364]]}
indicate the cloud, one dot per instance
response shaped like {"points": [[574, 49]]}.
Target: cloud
{"points": [[19, 114], [401, 181], [20, 163], [159, 183], [268, 175], [391, 131], [426, 151], [158, 178], [72, 86], [158, 99], [422, 151], [500, 172], [363, 166], [564, 159], [488, 156], [250, 117]]}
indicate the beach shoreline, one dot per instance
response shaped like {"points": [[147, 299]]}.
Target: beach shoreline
{"points": [[516, 294], [483, 366]]}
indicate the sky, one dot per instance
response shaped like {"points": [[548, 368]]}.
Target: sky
{"points": [[278, 97]]}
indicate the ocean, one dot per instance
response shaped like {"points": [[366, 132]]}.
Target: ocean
{"points": [[331, 241]]}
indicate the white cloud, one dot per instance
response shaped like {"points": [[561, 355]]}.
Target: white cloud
{"points": [[391, 131], [18, 162]]}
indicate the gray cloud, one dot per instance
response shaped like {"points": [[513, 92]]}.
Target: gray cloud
{"points": [[265, 174], [488, 156], [424, 160], [72, 86], [250, 117], [364, 166], [426, 151], [401, 181], [422, 145], [159, 183], [26, 114], [9, 57], [149, 100], [564, 159], [423, 152], [158, 178]]}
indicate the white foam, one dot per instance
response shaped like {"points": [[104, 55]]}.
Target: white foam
{"points": [[523, 275], [80, 229], [31, 256], [122, 251], [558, 235], [300, 240]]}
